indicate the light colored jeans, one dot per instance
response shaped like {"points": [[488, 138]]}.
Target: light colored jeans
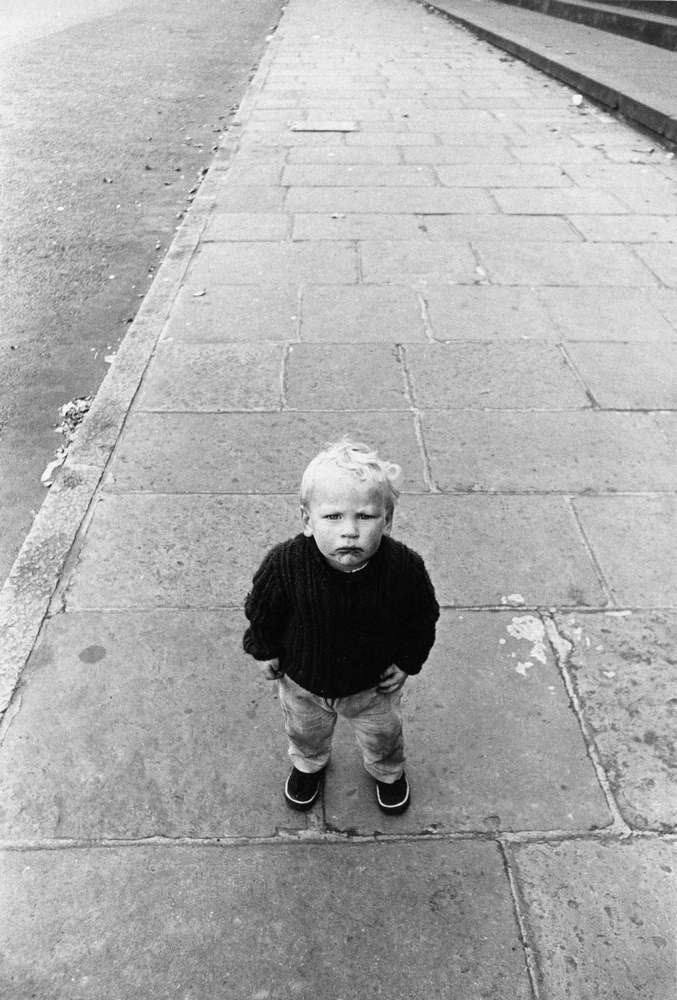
{"points": [[376, 719]]}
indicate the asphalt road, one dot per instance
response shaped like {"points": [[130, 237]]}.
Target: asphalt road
{"points": [[110, 112]]}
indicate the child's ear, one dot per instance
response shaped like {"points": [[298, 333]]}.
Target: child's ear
{"points": [[389, 524], [305, 517]]}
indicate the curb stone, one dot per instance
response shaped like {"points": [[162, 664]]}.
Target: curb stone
{"points": [[27, 596]]}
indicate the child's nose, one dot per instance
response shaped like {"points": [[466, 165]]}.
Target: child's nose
{"points": [[350, 529]]}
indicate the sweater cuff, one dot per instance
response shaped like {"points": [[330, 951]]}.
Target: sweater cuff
{"points": [[256, 649], [410, 667]]}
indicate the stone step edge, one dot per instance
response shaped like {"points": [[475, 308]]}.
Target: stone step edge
{"points": [[650, 6], [650, 28], [636, 108]]}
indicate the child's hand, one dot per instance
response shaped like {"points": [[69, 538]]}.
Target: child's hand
{"points": [[269, 668], [391, 679]]}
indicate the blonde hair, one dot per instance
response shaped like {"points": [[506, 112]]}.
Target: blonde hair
{"points": [[360, 460]]}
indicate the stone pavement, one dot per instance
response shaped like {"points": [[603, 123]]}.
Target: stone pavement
{"points": [[411, 237]]}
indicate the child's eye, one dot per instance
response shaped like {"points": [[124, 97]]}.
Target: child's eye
{"points": [[367, 517], [332, 517]]}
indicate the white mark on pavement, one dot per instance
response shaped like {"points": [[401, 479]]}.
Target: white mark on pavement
{"points": [[530, 629], [512, 599]]}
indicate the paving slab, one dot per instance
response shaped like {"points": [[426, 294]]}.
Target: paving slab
{"points": [[627, 228], [565, 451], [491, 741], [505, 376], [249, 452], [361, 313], [255, 173], [623, 667], [248, 197], [344, 154], [561, 151], [329, 263], [618, 176], [237, 226], [382, 135], [143, 551], [487, 153], [628, 376], [417, 261], [481, 549], [488, 312], [602, 917], [558, 201], [189, 929], [150, 725], [353, 175], [390, 200], [644, 200], [563, 264], [514, 175], [234, 313], [449, 118], [634, 539], [508, 228], [256, 142], [616, 314], [355, 226], [214, 377], [341, 377]]}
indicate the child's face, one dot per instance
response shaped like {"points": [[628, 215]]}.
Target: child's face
{"points": [[346, 517]]}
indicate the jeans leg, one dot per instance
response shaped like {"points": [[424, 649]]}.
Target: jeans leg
{"points": [[309, 723], [377, 722]]}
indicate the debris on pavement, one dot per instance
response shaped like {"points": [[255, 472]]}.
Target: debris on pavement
{"points": [[72, 414]]}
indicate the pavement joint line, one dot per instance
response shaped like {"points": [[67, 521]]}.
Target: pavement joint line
{"points": [[427, 324], [433, 490], [11, 712], [465, 608], [428, 478], [571, 364], [587, 609], [519, 910], [302, 837], [62, 516], [661, 283], [430, 409], [587, 545], [562, 649], [284, 377]]}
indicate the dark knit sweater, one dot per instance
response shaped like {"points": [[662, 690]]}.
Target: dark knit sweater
{"points": [[333, 632]]}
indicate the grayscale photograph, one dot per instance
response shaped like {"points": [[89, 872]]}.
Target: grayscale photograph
{"points": [[338, 492]]}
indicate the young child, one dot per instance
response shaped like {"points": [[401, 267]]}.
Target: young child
{"points": [[340, 616]]}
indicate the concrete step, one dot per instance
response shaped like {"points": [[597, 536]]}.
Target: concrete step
{"points": [[651, 23], [637, 80], [662, 7]]}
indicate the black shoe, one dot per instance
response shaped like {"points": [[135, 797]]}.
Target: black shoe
{"points": [[302, 789], [394, 798]]}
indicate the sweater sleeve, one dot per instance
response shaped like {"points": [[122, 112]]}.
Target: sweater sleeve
{"points": [[418, 631], [266, 608]]}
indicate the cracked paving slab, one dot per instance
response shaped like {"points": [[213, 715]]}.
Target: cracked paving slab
{"points": [[623, 668]]}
